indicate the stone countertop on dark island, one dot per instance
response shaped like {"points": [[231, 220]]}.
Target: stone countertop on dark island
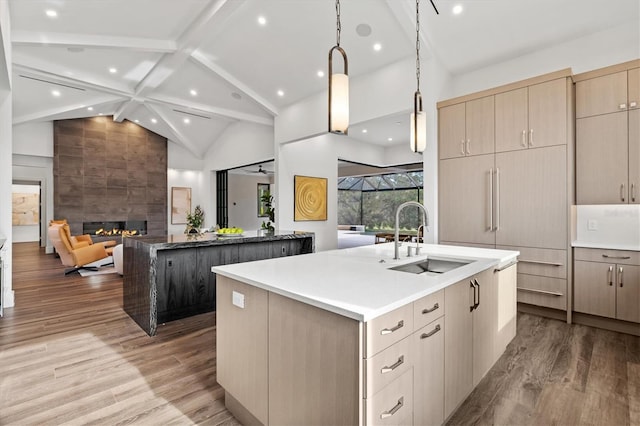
{"points": [[176, 241]]}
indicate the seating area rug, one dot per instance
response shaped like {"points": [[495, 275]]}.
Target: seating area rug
{"points": [[105, 266]]}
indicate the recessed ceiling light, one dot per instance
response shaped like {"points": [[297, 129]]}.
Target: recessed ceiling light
{"points": [[364, 130], [457, 9], [262, 20], [377, 47], [390, 139], [186, 121], [193, 92], [90, 109], [100, 113], [320, 73], [154, 121], [113, 70], [55, 93], [137, 121], [280, 93], [51, 13]]}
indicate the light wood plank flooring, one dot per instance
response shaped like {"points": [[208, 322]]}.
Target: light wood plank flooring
{"points": [[70, 355]]}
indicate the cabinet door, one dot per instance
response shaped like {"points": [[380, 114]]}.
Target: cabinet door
{"points": [[512, 123], [601, 159], [177, 292], [458, 345], [634, 156], [548, 113], [248, 252], [628, 293], [206, 286], [465, 200], [594, 288], [428, 374], [484, 324], [480, 130], [506, 309], [633, 86], [531, 198], [601, 95], [451, 128]]}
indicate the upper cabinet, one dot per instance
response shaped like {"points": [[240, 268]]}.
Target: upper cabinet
{"points": [[531, 117], [608, 135], [467, 128]]}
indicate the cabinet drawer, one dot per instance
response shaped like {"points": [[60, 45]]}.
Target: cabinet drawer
{"points": [[542, 291], [622, 257], [428, 309], [384, 331], [388, 365], [393, 405], [543, 262]]}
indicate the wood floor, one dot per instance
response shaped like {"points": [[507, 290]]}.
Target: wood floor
{"points": [[70, 355]]}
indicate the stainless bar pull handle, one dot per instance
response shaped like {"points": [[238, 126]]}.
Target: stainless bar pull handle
{"points": [[507, 266], [524, 138], [620, 272], [610, 275], [462, 147], [606, 256], [387, 414], [491, 199], [428, 311], [477, 285], [473, 306], [530, 137], [633, 192], [431, 333], [533, 290], [540, 262], [389, 369], [622, 192], [392, 329], [468, 146], [622, 106], [497, 228]]}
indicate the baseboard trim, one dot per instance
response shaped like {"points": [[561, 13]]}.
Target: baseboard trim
{"points": [[542, 311], [607, 323]]}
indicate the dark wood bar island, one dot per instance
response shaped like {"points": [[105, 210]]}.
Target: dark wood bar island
{"points": [[168, 278]]}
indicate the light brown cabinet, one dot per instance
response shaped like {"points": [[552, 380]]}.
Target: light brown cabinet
{"points": [[608, 136], [467, 128], [428, 370], [471, 307], [607, 284], [531, 116]]}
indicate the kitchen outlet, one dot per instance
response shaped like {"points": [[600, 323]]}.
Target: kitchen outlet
{"points": [[169, 263], [237, 299], [592, 225]]}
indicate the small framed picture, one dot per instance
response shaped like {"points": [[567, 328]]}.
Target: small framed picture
{"points": [[263, 189]]}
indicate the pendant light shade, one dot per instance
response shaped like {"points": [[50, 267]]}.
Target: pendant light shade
{"points": [[338, 87], [418, 139]]}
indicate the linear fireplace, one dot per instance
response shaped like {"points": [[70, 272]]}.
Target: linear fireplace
{"points": [[114, 228]]}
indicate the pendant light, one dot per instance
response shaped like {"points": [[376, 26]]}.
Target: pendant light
{"points": [[338, 87], [418, 139]]}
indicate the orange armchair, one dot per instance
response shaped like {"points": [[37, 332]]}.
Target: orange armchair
{"points": [[75, 252]]}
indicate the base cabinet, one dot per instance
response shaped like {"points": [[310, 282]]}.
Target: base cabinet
{"points": [[428, 371]]}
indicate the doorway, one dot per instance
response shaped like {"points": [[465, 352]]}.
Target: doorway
{"points": [[26, 212]]}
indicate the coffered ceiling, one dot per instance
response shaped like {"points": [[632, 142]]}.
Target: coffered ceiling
{"points": [[188, 69]]}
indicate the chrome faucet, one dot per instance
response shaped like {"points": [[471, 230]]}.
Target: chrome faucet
{"points": [[425, 223]]}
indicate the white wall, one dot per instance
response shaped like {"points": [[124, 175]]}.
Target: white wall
{"points": [[315, 157], [179, 158], [616, 225], [243, 199], [193, 179], [33, 139], [26, 233], [587, 53]]}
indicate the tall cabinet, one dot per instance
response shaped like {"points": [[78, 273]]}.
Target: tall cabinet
{"points": [[514, 191], [608, 135]]}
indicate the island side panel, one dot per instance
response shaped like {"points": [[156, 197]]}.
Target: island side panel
{"points": [[241, 348], [138, 285], [314, 365]]}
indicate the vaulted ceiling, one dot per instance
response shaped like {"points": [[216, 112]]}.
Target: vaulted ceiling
{"points": [[188, 69]]}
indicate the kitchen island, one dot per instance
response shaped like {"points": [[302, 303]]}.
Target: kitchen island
{"points": [[339, 337], [168, 278]]}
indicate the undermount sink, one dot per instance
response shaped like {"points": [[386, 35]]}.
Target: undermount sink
{"points": [[436, 266]]}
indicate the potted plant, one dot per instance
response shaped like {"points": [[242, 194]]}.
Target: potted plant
{"points": [[195, 221], [267, 200]]}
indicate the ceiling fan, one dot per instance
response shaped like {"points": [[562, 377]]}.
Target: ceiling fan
{"points": [[261, 170]]}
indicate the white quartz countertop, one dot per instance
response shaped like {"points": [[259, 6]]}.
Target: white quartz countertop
{"points": [[354, 283], [607, 246]]}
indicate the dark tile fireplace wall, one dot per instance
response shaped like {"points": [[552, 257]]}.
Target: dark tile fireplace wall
{"points": [[106, 171]]}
